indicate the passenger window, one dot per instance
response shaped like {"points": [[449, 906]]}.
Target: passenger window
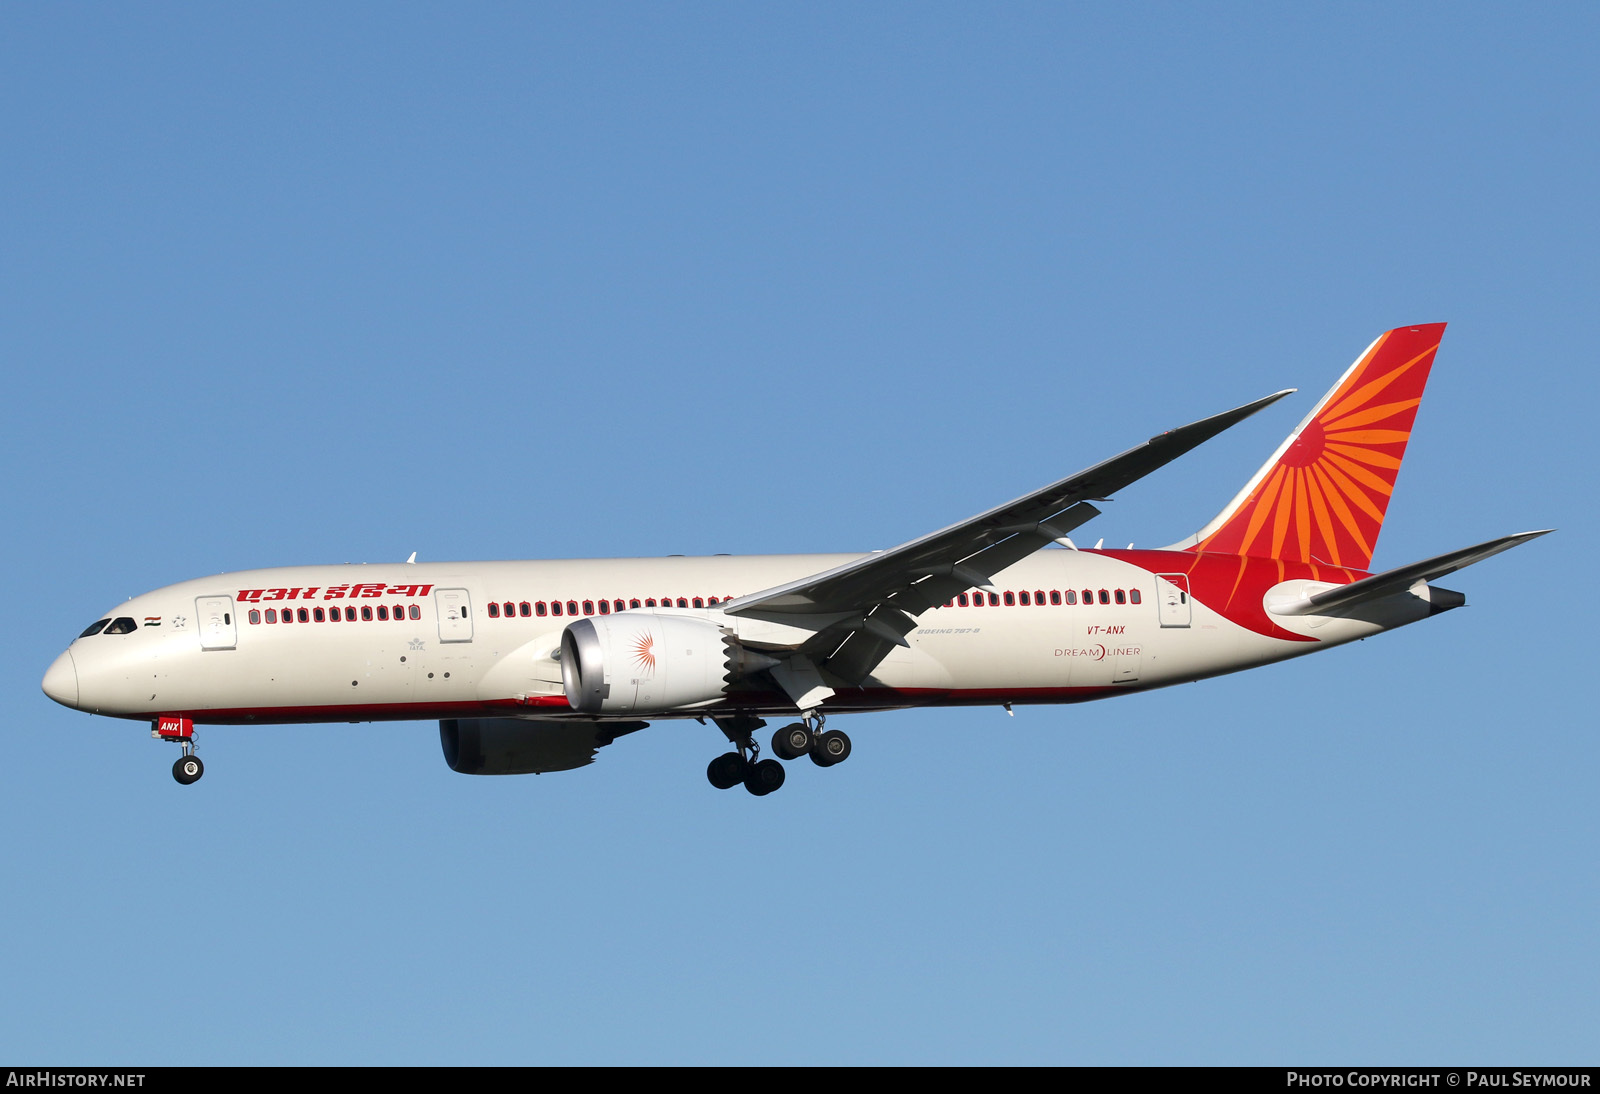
{"points": [[634, 603], [1122, 597], [1011, 599], [272, 616], [699, 602], [712, 601], [255, 617], [316, 613], [1105, 597], [333, 615], [1088, 596], [572, 607], [650, 602], [994, 600], [605, 607], [415, 611], [350, 615], [588, 607], [539, 607], [1072, 596], [1055, 596], [366, 613], [1133, 596], [524, 609], [305, 616], [555, 607], [494, 610], [962, 600], [94, 628], [383, 613], [1038, 598]]}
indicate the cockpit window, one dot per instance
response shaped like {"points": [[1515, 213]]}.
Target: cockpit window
{"points": [[94, 628], [123, 625]]}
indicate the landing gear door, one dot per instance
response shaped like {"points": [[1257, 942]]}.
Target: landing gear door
{"points": [[216, 623], [455, 615], [1172, 599]]}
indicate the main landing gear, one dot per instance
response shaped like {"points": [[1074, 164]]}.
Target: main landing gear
{"points": [[180, 731], [762, 777], [825, 747]]}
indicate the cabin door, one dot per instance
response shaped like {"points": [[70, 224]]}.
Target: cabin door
{"points": [[217, 625], [455, 615], [1172, 599]]}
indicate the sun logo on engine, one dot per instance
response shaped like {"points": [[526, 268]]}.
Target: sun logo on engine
{"points": [[644, 652]]}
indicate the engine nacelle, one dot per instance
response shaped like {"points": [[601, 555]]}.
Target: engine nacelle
{"points": [[511, 746], [641, 663]]}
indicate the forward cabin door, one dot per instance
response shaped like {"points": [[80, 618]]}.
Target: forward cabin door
{"points": [[217, 625], [1172, 599], [455, 615]]}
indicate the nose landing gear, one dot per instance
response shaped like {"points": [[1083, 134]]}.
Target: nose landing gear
{"points": [[180, 731], [188, 769]]}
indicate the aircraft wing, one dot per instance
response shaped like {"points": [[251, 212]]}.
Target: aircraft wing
{"points": [[1402, 578], [878, 596]]}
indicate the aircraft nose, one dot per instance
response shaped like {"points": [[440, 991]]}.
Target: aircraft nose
{"points": [[61, 681]]}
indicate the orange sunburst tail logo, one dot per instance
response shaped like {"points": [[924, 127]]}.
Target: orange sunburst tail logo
{"points": [[1323, 495]]}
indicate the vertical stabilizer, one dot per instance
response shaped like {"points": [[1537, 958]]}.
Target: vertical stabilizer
{"points": [[1323, 494]]}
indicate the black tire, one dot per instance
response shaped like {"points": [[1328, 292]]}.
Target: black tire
{"points": [[763, 778], [792, 741], [832, 747], [726, 771], [188, 769]]}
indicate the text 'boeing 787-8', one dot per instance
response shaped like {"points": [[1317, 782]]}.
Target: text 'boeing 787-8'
{"points": [[534, 666]]}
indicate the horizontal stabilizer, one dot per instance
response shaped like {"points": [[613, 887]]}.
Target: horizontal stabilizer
{"points": [[1398, 580]]}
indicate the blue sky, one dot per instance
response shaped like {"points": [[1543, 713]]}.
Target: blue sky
{"points": [[311, 284]]}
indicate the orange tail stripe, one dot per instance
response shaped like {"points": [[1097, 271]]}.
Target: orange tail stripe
{"points": [[1360, 474], [1365, 455], [1366, 393], [1372, 436], [1331, 494], [1352, 492], [1367, 417], [1319, 509]]}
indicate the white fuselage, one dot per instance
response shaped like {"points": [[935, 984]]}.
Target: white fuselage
{"points": [[423, 644]]}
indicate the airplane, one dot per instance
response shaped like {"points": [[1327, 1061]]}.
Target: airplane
{"points": [[534, 666]]}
